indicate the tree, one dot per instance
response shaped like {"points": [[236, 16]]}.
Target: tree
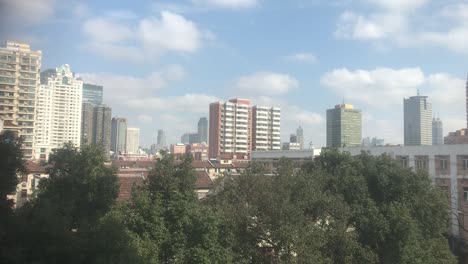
{"points": [[167, 223], [337, 209], [11, 166], [65, 216]]}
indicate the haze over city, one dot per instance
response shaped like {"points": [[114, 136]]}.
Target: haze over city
{"points": [[162, 63]]}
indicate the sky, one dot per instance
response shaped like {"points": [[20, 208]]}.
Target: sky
{"points": [[163, 62]]}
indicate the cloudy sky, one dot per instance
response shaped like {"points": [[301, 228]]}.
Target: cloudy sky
{"points": [[163, 61]]}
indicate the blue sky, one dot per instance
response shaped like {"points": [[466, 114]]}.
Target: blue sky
{"points": [[163, 62]]}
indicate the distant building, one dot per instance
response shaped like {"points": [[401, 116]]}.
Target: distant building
{"points": [[291, 146], [344, 126], [194, 138], [133, 140], [300, 136], [161, 139], [92, 93], [457, 137], [178, 150], [266, 128], [293, 138], [372, 142], [417, 121], [118, 135], [46, 74], [437, 132], [58, 109], [236, 129], [19, 82], [203, 130], [185, 138]]}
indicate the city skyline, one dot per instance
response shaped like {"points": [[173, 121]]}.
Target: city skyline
{"points": [[372, 65]]}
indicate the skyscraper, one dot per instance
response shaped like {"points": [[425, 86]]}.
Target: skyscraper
{"points": [[58, 118], [343, 126], [87, 123], [133, 140], [300, 136], [92, 93], [102, 115], [236, 129], [266, 128], [203, 130], [185, 138], [437, 132], [19, 82], [118, 135], [161, 142], [417, 121]]}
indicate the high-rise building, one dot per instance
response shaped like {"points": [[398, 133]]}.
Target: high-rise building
{"points": [[437, 132], [133, 140], [230, 129], [46, 74], [87, 123], [19, 82], [194, 138], [58, 112], [118, 135], [300, 137], [161, 141], [102, 122], [344, 126], [92, 93], [266, 128], [417, 121], [373, 142], [236, 129], [203, 130]]}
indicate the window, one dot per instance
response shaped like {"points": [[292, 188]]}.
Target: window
{"points": [[421, 164], [24, 193], [465, 194], [443, 164], [465, 164], [404, 162]]}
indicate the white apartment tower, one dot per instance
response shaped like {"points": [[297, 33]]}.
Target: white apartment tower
{"points": [[19, 80], [266, 128], [58, 112], [133, 140], [236, 128]]}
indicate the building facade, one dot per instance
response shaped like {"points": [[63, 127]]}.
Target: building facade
{"points": [[300, 137], [92, 93], [19, 81], [266, 128], [102, 123], [118, 135], [417, 121], [58, 112], [161, 140], [437, 132], [133, 140], [203, 130], [344, 126]]}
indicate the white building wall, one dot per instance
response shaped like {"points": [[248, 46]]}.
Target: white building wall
{"points": [[58, 114], [133, 140]]}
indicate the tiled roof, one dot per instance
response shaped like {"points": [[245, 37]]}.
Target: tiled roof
{"points": [[203, 180], [32, 167], [126, 184], [134, 163]]}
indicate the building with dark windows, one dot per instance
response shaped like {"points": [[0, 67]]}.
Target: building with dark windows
{"points": [[344, 126], [202, 130], [92, 93], [118, 135]]}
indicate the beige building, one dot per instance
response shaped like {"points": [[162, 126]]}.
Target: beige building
{"points": [[19, 81], [28, 183]]}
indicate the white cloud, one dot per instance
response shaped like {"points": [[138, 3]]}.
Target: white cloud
{"points": [[379, 87], [119, 88], [406, 23], [123, 36], [302, 57], [25, 11], [235, 4], [266, 83]]}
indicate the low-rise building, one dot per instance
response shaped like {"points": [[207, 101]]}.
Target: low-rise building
{"points": [[28, 183], [270, 159], [457, 137]]}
